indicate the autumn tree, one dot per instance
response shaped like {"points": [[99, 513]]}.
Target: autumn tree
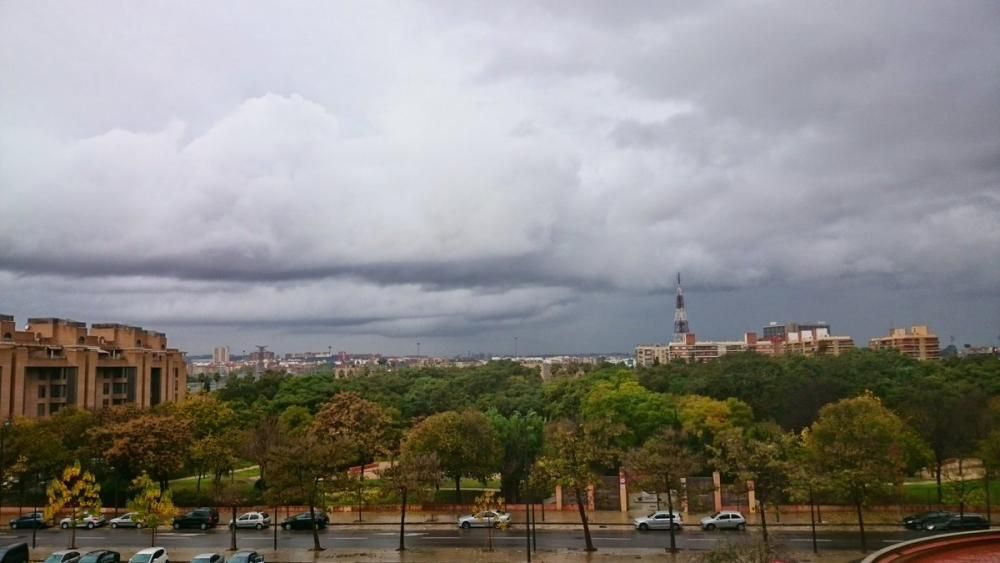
{"points": [[306, 467], [660, 465], [156, 445], [411, 475], [75, 490], [861, 447], [150, 505], [366, 424], [763, 455], [465, 443], [258, 440], [575, 454]]}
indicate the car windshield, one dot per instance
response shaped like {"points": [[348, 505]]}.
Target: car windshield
{"points": [[141, 558], [90, 558], [202, 560], [54, 558]]}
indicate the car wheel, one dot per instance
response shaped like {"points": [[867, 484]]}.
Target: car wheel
{"points": [[114, 525], [710, 527], [64, 525], [259, 526], [138, 525], [466, 525], [741, 526], [644, 527], [204, 526], [284, 526], [90, 525], [177, 526], [13, 525], [675, 526]]}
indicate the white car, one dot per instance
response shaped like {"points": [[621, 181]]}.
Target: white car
{"points": [[659, 520], [127, 520], [484, 519], [724, 520], [258, 520], [88, 521], [150, 555]]}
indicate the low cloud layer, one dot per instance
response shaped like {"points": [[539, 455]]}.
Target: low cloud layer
{"points": [[441, 170]]}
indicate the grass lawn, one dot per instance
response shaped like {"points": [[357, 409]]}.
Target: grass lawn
{"points": [[925, 492]]}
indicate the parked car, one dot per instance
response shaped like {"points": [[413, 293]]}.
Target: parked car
{"points": [[150, 555], [202, 518], [101, 556], [659, 520], [304, 521], [29, 520], [725, 520], [89, 521], [246, 557], [127, 520], [484, 519], [63, 556], [208, 558], [916, 521], [258, 520], [965, 522], [14, 553]]}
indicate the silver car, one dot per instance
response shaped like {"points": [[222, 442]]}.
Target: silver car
{"points": [[258, 520], [65, 556], [127, 520], [484, 519], [659, 520], [725, 520]]}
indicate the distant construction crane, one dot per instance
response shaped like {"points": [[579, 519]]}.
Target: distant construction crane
{"points": [[259, 368]]}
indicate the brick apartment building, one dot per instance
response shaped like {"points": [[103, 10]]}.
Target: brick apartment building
{"points": [[918, 343], [56, 363]]}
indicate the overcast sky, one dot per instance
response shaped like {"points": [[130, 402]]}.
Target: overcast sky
{"points": [[366, 175]]}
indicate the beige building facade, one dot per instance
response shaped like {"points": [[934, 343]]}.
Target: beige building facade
{"points": [[56, 363], [918, 343], [813, 342]]}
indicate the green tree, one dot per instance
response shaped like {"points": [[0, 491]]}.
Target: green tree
{"points": [[623, 401], [703, 417], [660, 465], [989, 452], [150, 505], [860, 446], [76, 490], [520, 438], [465, 443], [575, 455], [763, 456], [411, 476]]}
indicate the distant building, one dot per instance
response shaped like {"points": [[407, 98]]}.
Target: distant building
{"points": [[816, 341], [692, 350], [774, 331], [56, 363], [917, 343], [220, 355]]}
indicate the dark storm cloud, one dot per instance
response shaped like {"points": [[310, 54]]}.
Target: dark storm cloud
{"points": [[454, 169]]}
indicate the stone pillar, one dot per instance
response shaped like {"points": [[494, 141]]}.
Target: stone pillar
{"points": [[590, 498], [622, 492], [751, 497], [717, 486], [684, 496], [559, 499]]}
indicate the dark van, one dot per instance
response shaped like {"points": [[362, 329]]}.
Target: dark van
{"points": [[14, 553]]}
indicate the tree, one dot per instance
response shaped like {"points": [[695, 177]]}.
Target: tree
{"points": [[520, 438], [660, 465], [76, 490], [575, 454], [763, 456], [363, 422], [150, 505], [641, 412], [411, 475], [860, 446], [233, 495], [258, 441], [465, 443], [156, 445], [307, 466], [703, 417], [989, 452]]}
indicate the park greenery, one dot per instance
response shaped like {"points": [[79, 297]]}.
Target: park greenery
{"points": [[847, 429]]}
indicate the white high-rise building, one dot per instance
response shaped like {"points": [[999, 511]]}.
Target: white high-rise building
{"points": [[220, 355]]}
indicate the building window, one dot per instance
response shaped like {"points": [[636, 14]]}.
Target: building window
{"points": [[41, 410], [107, 388], [58, 391], [54, 408], [41, 391]]}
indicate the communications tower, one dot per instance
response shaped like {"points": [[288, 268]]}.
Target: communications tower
{"points": [[680, 315]]}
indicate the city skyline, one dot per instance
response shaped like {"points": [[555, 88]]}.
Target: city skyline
{"points": [[370, 175]]}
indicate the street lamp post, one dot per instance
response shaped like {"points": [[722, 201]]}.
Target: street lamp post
{"points": [[3, 435]]}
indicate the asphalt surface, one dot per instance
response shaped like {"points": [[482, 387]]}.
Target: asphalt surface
{"points": [[443, 537]]}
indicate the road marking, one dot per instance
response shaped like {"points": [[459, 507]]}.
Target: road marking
{"points": [[342, 538], [443, 538], [809, 540], [90, 537], [611, 539], [704, 539]]}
